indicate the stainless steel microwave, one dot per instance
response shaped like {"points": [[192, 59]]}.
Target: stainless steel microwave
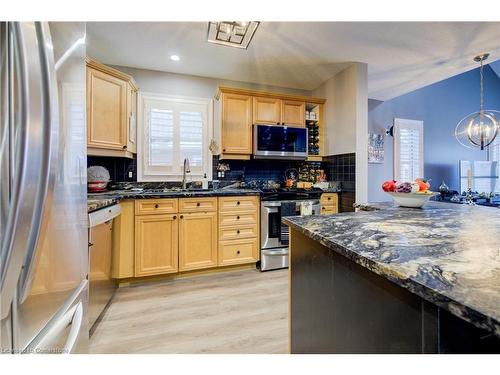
{"points": [[279, 142]]}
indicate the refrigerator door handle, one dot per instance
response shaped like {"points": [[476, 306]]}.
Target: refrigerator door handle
{"points": [[45, 188], [73, 317], [11, 261]]}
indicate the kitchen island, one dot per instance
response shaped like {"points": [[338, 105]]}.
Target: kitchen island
{"points": [[396, 280]]}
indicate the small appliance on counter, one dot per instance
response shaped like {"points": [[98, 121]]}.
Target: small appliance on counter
{"points": [[97, 179]]}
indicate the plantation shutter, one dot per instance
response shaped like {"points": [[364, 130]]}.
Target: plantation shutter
{"points": [[408, 150]]}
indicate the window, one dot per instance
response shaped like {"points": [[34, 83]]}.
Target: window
{"points": [[170, 130], [408, 149], [494, 149]]}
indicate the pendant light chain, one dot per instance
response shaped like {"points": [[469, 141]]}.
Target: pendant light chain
{"points": [[481, 104]]}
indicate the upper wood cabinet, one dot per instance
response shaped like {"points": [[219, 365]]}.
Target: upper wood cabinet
{"points": [[293, 112], [111, 111], [266, 111], [106, 110], [241, 108], [236, 132]]}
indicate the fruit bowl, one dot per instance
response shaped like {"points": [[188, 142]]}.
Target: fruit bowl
{"points": [[412, 200]]}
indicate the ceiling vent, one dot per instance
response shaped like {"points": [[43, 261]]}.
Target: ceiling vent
{"points": [[232, 33]]}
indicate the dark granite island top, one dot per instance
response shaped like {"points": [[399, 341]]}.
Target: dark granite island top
{"points": [[447, 254]]}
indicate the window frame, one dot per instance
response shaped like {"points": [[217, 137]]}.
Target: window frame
{"points": [[142, 128], [407, 124]]}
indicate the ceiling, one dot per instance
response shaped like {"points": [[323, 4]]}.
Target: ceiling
{"points": [[401, 57]]}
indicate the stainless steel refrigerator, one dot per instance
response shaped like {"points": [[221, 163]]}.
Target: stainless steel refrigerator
{"points": [[43, 211]]}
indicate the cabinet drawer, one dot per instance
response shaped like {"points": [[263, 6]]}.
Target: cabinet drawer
{"points": [[237, 232], [238, 252], [198, 204], [156, 206], [237, 218], [240, 203], [327, 210], [329, 199]]}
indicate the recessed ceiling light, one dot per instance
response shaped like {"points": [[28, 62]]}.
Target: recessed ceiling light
{"points": [[175, 58], [232, 33]]}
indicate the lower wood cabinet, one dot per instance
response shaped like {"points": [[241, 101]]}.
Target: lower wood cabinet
{"points": [[329, 203], [197, 240], [156, 244], [171, 235]]}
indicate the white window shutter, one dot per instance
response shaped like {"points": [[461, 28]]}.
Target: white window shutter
{"points": [[408, 149], [171, 129]]}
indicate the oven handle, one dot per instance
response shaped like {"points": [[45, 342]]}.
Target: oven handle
{"points": [[275, 252]]}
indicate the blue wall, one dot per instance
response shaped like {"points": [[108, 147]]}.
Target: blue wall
{"points": [[440, 106]]}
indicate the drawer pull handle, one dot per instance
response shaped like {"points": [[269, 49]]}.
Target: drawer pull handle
{"points": [[237, 218], [198, 204], [157, 205], [182, 216], [323, 208], [238, 231], [238, 252], [329, 198], [175, 217], [238, 203]]}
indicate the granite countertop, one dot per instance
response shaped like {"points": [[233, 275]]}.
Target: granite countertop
{"points": [[97, 201], [446, 253]]}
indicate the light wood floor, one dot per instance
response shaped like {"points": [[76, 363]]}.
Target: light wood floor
{"points": [[235, 312]]}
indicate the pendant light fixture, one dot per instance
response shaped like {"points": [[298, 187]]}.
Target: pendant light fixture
{"points": [[479, 129]]}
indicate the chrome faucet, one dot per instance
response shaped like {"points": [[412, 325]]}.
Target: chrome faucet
{"points": [[185, 171]]}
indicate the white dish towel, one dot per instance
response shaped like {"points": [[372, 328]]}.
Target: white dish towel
{"points": [[306, 208]]}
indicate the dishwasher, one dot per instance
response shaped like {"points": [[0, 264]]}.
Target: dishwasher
{"points": [[101, 284]]}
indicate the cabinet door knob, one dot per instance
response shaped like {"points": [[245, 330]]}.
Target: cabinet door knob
{"points": [[237, 218], [237, 252], [198, 204], [238, 203], [157, 205], [329, 198], [238, 231], [125, 147], [182, 216], [91, 244], [223, 150], [322, 208], [277, 123]]}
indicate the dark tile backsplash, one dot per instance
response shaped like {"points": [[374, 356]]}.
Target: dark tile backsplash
{"points": [[337, 167], [341, 168], [118, 168], [255, 169]]}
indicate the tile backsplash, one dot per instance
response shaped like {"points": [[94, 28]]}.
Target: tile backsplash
{"points": [[118, 168], [341, 168]]}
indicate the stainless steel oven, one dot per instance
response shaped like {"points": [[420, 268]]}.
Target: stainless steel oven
{"points": [[279, 142], [274, 234]]}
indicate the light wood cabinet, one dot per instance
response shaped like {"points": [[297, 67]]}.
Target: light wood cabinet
{"points": [[329, 203], [241, 108], [131, 118], [197, 240], [106, 110], [293, 112], [238, 230], [236, 132], [111, 111], [124, 241], [156, 244], [266, 110]]}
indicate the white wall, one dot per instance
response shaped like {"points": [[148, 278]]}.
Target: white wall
{"points": [[346, 119]]}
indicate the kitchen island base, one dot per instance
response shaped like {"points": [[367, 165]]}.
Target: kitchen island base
{"points": [[338, 306]]}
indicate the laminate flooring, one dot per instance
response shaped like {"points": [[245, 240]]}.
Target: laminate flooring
{"points": [[234, 312]]}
